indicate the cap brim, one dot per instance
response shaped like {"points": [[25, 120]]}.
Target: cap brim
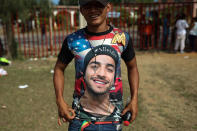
{"points": [[82, 3]]}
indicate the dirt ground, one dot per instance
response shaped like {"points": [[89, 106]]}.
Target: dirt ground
{"points": [[168, 91], [167, 94]]}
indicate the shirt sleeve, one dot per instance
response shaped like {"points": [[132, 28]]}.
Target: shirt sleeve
{"points": [[129, 53], [65, 55], [186, 24]]}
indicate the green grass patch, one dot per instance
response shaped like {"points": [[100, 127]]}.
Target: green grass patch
{"points": [[167, 94]]}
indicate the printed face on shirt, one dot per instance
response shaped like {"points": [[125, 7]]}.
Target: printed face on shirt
{"points": [[95, 13], [99, 75]]}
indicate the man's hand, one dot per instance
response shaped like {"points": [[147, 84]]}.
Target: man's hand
{"points": [[65, 112], [133, 108]]}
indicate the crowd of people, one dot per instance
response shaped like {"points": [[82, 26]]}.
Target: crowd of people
{"points": [[168, 33], [185, 30]]}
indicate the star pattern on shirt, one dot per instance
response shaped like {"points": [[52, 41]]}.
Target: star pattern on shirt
{"points": [[79, 44]]}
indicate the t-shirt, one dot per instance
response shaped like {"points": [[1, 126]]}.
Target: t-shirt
{"points": [[166, 25], [181, 26], [193, 31], [77, 45]]}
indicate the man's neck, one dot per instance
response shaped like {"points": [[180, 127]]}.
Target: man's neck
{"points": [[98, 29], [99, 99]]}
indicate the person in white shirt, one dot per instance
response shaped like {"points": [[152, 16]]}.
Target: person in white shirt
{"points": [[193, 34], [181, 26]]}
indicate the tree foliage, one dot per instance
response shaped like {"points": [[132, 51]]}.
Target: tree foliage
{"points": [[18, 9], [22, 8]]}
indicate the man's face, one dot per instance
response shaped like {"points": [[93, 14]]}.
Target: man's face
{"points": [[95, 13], [99, 75]]}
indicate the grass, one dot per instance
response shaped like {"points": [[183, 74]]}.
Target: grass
{"points": [[167, 94]]}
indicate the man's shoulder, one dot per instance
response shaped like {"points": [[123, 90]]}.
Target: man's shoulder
{"points": [[117, 30], [78, 33]]}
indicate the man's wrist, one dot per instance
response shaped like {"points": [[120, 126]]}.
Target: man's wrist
{"points": [[59, 100], [134, 94]]}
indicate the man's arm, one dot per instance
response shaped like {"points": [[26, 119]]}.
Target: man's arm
{"points": [[133, 77], [66, 113]]}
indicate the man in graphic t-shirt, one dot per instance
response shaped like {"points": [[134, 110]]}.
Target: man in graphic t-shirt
{"points": [[97, 50]]}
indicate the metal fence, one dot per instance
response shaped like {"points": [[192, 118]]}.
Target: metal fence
{"points": [[151, 26]]}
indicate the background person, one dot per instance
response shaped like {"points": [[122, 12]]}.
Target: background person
{"points": [[193, 34], [166, 30], [148, 34], [1, 48], [156, 28], [141, 27], [181, 26]]}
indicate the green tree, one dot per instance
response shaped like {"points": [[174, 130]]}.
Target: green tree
{"points": [[12, 9]]}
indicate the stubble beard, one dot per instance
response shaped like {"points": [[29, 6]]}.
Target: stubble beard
{"points": [[95, 94]]}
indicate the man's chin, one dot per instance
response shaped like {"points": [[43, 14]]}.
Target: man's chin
{"points": [[94, 23], [96, 93]]}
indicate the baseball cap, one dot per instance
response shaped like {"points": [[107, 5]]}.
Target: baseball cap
{"points": [[84, 2], [101, 50]]}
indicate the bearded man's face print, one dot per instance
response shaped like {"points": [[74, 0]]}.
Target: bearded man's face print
{"points": [[99, 75]]}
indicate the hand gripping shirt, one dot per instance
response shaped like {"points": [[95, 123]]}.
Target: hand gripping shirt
{"points": [[78, 45]]}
